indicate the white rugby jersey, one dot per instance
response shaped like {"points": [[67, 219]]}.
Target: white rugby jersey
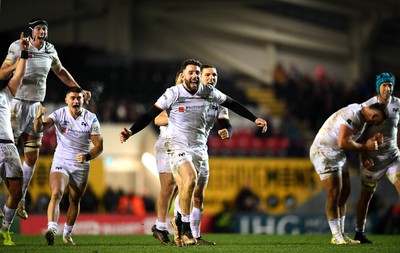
{"points": [[187, 114], [388, 128], [351, 116], [73, 135], [6, 132], [33, 86]]}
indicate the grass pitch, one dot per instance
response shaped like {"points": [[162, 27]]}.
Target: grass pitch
{"points": [[225, 243]]}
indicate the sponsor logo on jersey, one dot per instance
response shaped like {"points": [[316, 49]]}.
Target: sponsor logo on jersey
{"points": [[181, 109]]}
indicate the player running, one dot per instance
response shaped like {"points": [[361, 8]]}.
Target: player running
{"points": [[76, 129]]}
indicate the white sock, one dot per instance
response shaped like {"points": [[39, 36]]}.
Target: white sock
{"points": [[195, 219], [67, 229], [163, 226], [28, 173], [52, 225], [8, 218], [185, 218], [334, 226]]}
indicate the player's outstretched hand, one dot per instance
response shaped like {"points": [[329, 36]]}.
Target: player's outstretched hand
{"points": [[124, 135], [262, 123]]}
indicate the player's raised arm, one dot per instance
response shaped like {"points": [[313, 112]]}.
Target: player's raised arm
{"points": [[16, 79], [245, 113], [39, 124]]}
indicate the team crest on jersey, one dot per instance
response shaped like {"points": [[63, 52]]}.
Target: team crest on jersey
{"points": [[395, 109], [181, 109], [349, 121], [63, 125]]}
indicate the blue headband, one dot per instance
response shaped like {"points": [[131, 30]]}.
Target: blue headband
{"points": [[383, 78]]}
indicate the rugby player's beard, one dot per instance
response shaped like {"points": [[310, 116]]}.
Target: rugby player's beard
{"points": [[190, 86]]}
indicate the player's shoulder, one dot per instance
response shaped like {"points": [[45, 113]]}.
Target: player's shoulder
{"points": [[16, 43], [175, 87], [59, 114], [350, 111], [352, 107], [174, 91], [61, 110], [370, 101], [14, 50], [89, 115], [50, 48], [395, 100]]}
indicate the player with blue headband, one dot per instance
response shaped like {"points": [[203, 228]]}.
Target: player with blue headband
{"points": [[384, 161], [384, 78]]}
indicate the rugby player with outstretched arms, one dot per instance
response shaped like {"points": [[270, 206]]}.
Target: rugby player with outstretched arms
{"points": [[187, 105]]}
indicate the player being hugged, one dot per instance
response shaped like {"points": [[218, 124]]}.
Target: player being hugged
{"points": [[384, 161]]}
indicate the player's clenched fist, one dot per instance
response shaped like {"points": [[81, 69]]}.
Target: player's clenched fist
{"points": [[374, 142], [379, 138]]}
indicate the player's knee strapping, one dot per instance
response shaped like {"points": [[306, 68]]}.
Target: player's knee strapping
{"points": [[32, 145]]}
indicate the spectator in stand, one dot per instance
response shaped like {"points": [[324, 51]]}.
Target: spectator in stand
{"points": [[280, 80], [137, 205], [131, 204], [89, 202], [247, 201], [110, 200]]}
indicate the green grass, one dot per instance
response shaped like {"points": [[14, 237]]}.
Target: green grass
{"points": [[225, 243]]}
